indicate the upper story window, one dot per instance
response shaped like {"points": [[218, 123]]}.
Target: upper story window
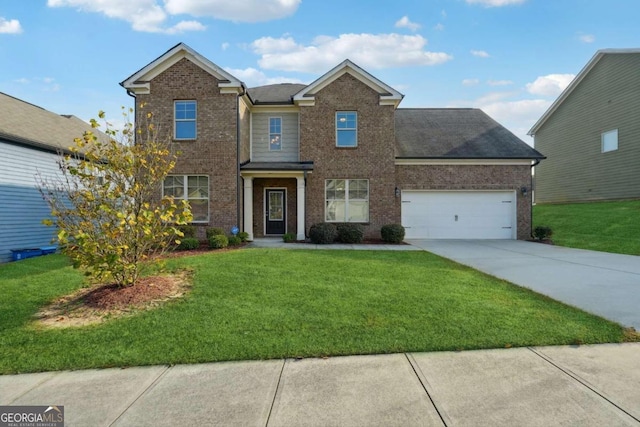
{"points": [[609, 140], [185, 119], [346, 129], [275, 133], [194, 189]]}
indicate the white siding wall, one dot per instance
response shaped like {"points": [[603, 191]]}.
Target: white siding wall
{"points": [[260, 138], [21, 206]]}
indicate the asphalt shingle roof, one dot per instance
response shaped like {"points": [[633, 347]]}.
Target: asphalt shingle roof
{"points": [[281, 93], [32, 125], [456, 133]]}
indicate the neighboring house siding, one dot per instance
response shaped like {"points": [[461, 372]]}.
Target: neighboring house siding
{"points": [[214, 152], [260, 138], [576, 169], [23, 209], [373, 159], [472, 177]]}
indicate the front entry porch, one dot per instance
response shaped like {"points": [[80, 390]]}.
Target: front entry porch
{"points": [[274, 201]]}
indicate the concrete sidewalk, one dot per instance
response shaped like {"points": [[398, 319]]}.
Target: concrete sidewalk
{"points": [[602, 283], [544, 386]]}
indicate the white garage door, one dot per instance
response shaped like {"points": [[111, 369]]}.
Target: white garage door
{"points": [[459, 214]]}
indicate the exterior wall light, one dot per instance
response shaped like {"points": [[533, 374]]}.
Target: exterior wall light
{"points": [[523, 191], [397, 192]]}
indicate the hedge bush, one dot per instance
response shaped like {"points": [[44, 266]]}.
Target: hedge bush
{"points": [[323, 233], [187, 230], [214, 231], [392, 233], [234, 241], [350, 233], [289, 237], [218, 241], [243, 235], [542, 232], [188, 243]]}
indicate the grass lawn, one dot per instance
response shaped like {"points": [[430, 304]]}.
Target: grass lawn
{"points": [[274, 303], [600, 226]]}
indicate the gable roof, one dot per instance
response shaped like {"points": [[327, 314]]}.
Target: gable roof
{"points": [[576, 81], [28, 124], [281, 93], [138, 82], [455, 133], [388, 95]]}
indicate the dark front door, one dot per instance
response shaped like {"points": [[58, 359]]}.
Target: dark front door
{"points": [[275, 211]]}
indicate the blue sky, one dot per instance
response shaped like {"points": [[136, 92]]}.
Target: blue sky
{"points": [[509, 57]]}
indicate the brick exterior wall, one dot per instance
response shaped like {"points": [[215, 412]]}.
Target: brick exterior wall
{"points": [[259, 208], [373, 159], [213, 153], [473, 177]]}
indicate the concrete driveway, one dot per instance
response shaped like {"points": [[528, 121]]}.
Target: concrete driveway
{"points": [[598, 282]]}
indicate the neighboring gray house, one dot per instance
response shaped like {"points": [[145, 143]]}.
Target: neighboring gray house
{"points": [[30, 138], [591, 133]]}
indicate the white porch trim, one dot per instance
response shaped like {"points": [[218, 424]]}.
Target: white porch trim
{"points": [[248, 205]]}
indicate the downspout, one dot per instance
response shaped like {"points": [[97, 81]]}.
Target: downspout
{"points": [[536, 163], [238, 186]]}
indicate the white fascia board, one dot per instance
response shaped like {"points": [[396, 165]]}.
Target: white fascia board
{"points": [[463, 162], [274, 174]]}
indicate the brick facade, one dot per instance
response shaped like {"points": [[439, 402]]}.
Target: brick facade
{"points": [[473, 177], [372, 159], [213, 152]]}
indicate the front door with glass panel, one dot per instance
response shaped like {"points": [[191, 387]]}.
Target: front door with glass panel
{"points": [[275, 206]]}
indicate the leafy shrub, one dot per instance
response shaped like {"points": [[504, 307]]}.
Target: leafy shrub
{"points": [[214, 231], [392, 233], [323, 233], [289, 237], [187, 230], [350, 233], [218, 241], [243, 235], [188, 243], [234, 241], [542, 232]]}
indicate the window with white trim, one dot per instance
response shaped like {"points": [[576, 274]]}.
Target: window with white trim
{"points": [[346, 129], [184, 119], [609, 140], [346, 200], [192, 188], [275, 133]]}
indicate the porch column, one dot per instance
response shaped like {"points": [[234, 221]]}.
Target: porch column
{"points": [[248, 205], [300, 199]]}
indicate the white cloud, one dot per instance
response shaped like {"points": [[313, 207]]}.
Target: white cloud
{"points": [[587, 38], [183, 26], [237, 11], [404, 22], [439, 27], [499, 82], [252, 77], [550, 85], [22, 80], [495, 3], [10, 26], [224, 46], [480, 53], [371, 51], [470, 82]]}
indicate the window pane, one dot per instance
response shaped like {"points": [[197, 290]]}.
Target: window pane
{"points": [[275, 142], [358, 211], [347, 138], [335, 211], [185, 110], [346, 120], [174, 186], [276, 206], [186, 130], [610, 140], [200, 210]]}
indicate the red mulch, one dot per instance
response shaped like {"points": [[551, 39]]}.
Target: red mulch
{"points": [[146, 290]]}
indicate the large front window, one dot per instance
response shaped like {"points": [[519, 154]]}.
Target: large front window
{"points": [[346, 129], [184, 120], [194, 189], [346, 200]]}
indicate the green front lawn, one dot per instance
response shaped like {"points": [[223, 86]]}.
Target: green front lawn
{"points": [[275, 303], [600, 226]]}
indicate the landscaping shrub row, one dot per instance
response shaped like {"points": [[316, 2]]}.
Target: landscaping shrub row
{"points": [[216, 238], [324, 233]]}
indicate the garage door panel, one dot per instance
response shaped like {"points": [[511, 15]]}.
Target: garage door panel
{"points": [[459, 215]]}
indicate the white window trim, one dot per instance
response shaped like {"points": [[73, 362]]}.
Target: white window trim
{"points": [[176, 120], [346, 129], [604, 135], [185, 192], [346, 200], [269, 133]]}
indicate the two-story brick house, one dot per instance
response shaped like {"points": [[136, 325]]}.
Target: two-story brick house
{"points": [[280, 158]]}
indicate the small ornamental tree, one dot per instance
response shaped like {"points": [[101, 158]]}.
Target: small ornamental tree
{"points": [[107, 204]]}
